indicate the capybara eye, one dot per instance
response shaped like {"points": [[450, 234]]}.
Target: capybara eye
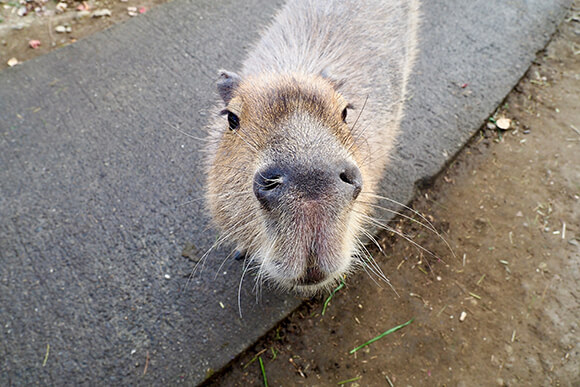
{"points": [[344, 115], [233, 120]]}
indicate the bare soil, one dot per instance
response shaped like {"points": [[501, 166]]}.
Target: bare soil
{"points": [[509, 205], [43, 18]]}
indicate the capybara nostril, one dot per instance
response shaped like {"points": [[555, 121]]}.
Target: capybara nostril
{"points": [[351, 175], [268, 186]]}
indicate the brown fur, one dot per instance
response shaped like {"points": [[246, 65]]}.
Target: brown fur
{"points": [[289, 101]]}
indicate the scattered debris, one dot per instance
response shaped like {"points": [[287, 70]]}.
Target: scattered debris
{"points": [[462, 316], [61, 7], [83, 7], [34, 44], [419, 297], [298, 368], [12, 62], [563, 230], [348, 381], [102, 13], [254, 358], [46, 355], [22, 11], [61, 29], [146, 363], [542, 266], [503, 123], [474, 295]]}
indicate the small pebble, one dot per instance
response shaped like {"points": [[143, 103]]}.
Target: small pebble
{"points": [[102, 13], [503, 123], [12, 62], [62, 29], [462, 316], [61, 7]]}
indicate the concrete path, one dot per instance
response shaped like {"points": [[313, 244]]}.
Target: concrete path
{"points": [[100, 194]]}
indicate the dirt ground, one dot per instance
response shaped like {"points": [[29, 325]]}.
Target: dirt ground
{"points": [[43, 18], [505, 311], [510, 207]]}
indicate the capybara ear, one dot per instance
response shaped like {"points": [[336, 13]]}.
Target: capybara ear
{"points": [[227, 84]]}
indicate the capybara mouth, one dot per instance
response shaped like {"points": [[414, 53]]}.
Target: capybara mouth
{"points": [[313, 276], [311, 263]]}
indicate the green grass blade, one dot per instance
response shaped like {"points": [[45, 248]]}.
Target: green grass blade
{"points": [[263, 371], [383, 335], [348, 381], [331, 295]]}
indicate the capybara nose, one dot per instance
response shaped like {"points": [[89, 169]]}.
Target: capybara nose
{"points": [[340, 182]]}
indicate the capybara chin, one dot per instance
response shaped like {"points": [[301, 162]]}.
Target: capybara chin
{"points": [[304, 136]]}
